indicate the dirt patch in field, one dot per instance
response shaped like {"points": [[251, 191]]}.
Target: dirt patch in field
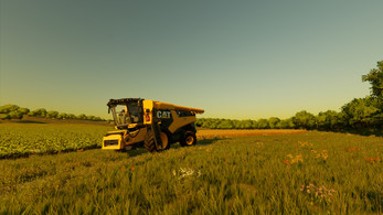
{"points": [[218, 133]]}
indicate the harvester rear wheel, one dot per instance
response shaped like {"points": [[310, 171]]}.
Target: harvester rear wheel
{"points": [[188, 139]]}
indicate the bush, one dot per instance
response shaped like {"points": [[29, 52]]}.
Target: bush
{"points": [[4, 116]]}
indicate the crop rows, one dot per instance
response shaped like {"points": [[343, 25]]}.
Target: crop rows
{"points": [[18, 140]]}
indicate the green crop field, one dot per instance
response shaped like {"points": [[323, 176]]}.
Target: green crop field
{"points": [[292, 173], [23, 139]]}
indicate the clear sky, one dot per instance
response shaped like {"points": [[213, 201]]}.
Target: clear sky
{"points": [[236, 59]]}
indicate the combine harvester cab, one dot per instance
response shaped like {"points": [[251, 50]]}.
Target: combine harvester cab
{"points": [[153, 124]]}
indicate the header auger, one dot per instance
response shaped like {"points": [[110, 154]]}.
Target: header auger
{"points": [[153, 124]]}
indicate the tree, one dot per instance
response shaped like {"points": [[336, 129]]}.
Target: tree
{"points": [[329, 120], [41, 112], [205, 123], [362, 112], [199, 122], [62, 116], [237, 124], [286, 124], [8, 108], [247, 124], [304, 119], [24, 111], [15, 114], [273, 122], [71, 116], [375, 77], [81, 116], [52, 114], [263, 124], [90, 117], [374, 105], [97, 118], [10, 111], [225, 124], [5, 116]]}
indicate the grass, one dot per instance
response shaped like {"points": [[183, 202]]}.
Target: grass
{"points": [[312, 172]]}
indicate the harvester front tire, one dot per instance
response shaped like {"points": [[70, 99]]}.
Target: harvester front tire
{"points": [[149, 143], [188, 139]]}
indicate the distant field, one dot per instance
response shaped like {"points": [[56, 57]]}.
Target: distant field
{"points": [[293, 173], [50, 136], [216, 133]]}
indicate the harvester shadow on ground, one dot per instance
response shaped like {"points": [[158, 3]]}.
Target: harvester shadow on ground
{"points": [[140, 151]]}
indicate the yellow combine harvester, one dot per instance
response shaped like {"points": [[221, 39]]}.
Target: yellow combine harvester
{"points": [[153, 124]]}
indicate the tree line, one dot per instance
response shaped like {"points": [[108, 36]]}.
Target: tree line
{"points": [[360, 113], [11, 111]]}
